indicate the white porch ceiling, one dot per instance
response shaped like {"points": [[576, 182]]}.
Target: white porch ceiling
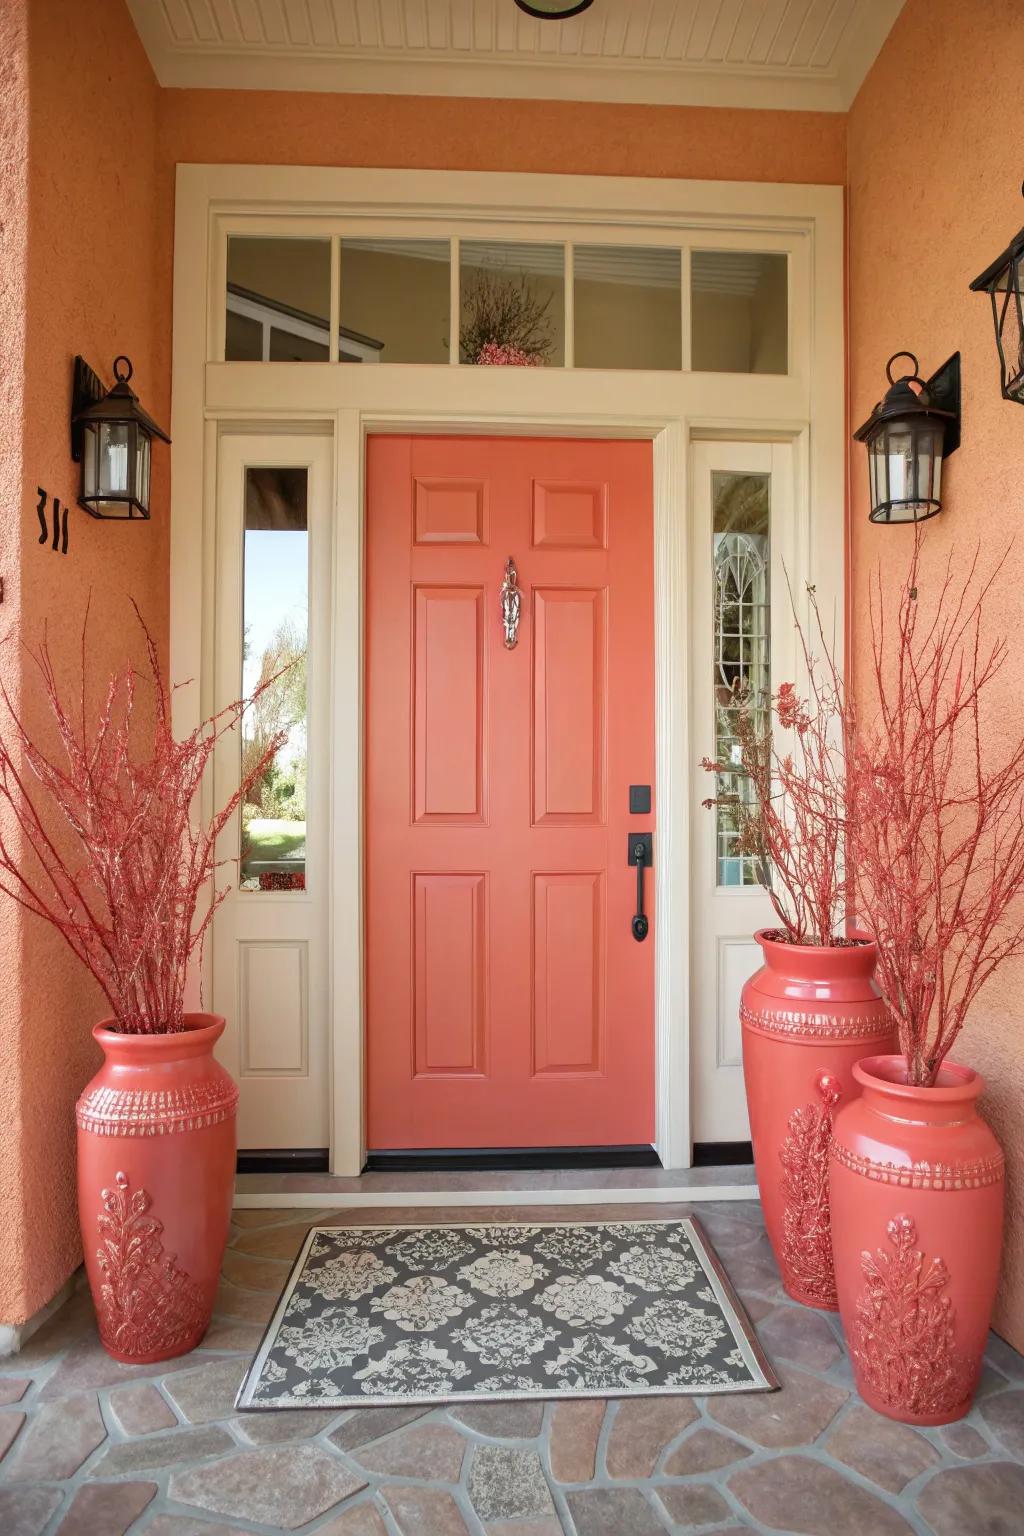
{"points": [[809, 54]]}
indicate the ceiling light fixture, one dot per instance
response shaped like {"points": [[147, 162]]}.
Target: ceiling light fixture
{"points": [[553, 10]]}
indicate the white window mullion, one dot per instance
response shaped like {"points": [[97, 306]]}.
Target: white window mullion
{"points": [[454, 303], [332, 354], [569, 306]]}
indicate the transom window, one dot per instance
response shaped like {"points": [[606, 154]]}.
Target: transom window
{"points": [[507, 303]]}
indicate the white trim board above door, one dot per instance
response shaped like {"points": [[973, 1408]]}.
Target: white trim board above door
{"points": [[212, 399]]}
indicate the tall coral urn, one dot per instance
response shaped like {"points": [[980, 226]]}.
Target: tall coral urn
{"points": [[808, 1015], [917, 1210], [156, 1164]]}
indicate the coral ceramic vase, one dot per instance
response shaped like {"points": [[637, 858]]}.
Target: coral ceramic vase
{"points": [[917, 1220], [809, 1014], [156, 1166]]}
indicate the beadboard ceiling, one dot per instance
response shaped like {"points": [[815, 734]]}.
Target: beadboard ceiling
{"points": [[809, 54]]}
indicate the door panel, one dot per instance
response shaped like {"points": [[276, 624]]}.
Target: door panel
{"points": [[448, 692], [507, 1001], [450, 998], [570, 690], [568, 972]]}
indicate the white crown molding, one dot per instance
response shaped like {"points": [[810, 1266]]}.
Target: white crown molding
{"points": [[217, 62]]}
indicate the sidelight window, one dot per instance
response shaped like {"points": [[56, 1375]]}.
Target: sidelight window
{"points": [[742, 596], [275, 642]]}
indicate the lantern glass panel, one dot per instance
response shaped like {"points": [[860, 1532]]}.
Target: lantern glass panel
{"points": [[114, 445], [142, 452], [929, 462], [1010, 321], [90, 472], [905, 468], [899, 449]]}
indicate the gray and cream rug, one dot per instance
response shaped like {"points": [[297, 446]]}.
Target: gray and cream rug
{"points": [[373, 1316]]}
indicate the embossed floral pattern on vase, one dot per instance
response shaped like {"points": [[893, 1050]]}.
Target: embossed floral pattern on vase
{"points": [[905, 1342], [463, 1312], [147, 1303], [806, 1218]]}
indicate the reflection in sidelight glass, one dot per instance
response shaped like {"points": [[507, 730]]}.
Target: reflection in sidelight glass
{"points": [[278, 300], [512, 303], [739, 312], [627, 307], [395, 301], [742, 598], [275, 638]]}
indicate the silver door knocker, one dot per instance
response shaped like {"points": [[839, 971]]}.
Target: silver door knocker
{"points": [[511, 603]]}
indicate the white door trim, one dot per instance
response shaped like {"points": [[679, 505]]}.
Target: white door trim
{"points": [[670, 409]]}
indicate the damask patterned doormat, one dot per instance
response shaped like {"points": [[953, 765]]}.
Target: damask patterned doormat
{"points": [[373, 1316]]}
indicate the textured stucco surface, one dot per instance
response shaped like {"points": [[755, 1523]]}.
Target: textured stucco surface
{"points": [[935, 167], [581, 138], [92, 285], [13, 260]]}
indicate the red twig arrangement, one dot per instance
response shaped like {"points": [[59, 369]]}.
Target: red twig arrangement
{"points": [[123, 888], [936, 819], [791, 822]]}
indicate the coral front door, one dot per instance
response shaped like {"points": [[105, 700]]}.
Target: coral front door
{"points": [[508, 1002]]}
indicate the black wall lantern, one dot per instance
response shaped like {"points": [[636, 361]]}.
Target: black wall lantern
{"points": [[1002, 282], [908, 434], [554, 10], [111, 437]]}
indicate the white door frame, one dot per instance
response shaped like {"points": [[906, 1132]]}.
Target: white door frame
{"points": [[804, 407]]}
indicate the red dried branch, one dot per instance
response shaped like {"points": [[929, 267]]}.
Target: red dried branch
{"points": [[792, 821], [937, 822], [112, 856]]}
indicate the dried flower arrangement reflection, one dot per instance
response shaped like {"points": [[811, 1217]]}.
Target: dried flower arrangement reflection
{"points": [[110, 854], [505, 321], [936, 812]]}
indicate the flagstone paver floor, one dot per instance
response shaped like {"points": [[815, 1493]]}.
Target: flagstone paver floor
{"points": [[92, 1448]]}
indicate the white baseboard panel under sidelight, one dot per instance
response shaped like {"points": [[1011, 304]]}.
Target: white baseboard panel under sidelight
{"points": [[383, 1191]]}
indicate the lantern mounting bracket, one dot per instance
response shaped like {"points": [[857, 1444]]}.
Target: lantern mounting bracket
{"points": [[943, 390], [944, 393], [86, 389]]}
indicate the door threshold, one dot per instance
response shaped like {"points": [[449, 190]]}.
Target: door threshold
{"points": [[507, 1159], [283, 1160], [521, 1187], [716, 1154]]}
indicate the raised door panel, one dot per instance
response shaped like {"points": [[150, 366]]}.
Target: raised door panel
{"points": [[450, 974], [570, 687], [274, 1007], [568, 972], [570, 515], [449, 511], [448, 690]]}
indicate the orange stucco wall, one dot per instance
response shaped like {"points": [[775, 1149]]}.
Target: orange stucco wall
{"points": [[934, 155], [81, 246], [581, 138]]}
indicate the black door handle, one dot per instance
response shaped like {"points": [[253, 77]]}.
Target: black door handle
{"points": [[641, 853]]}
